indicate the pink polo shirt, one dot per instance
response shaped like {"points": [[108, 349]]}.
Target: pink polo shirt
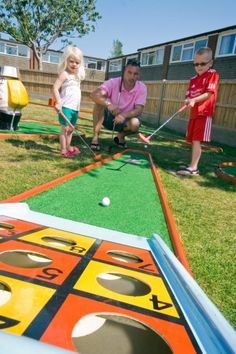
{"points": [[128, 99]]}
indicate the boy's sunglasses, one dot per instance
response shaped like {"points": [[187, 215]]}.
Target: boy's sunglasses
{"points": [[201, 64]]}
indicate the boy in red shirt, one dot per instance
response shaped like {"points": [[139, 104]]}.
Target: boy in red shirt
{"points": [[201, 99]]}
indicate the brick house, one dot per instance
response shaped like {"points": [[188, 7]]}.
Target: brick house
{"points": [[173, 60]]}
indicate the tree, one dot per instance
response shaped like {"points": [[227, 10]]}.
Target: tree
{"points": [[38, 23], [117, 48]]}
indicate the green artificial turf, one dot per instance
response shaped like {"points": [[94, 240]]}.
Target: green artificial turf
{"points": [[135, 205], [34, 128], [162, 134], [38, 128]]}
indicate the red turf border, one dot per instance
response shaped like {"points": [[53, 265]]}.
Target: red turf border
{"points": [[223, 175]]}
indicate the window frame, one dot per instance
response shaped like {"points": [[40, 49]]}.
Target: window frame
{"points": [[119, 65], [23, 47], [99, 64], [186, 46], [152, 52], [219, 42], [129, 57], [91, 62], [6, 45], [102, 64], [49, 54]]}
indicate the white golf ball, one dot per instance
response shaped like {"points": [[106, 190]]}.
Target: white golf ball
{"points": [[145, 146], [106, 201]]}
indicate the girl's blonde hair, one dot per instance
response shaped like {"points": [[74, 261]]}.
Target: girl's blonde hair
{"points": [[77, 54]]}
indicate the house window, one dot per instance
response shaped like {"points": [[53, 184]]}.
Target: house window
{"points": [[154, 57], [22, 51], [100, 65], [131, 58], [11, 49], [92, 64], [176, 55], [2, 48], [46, 57], [227, 45], [200, 44], [115, 65], [52, 58], [159, 56], [151, 58], [186, 51]]}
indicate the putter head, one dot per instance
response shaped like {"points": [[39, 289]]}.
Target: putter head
{"points": [[97, 156], [143, 138]]}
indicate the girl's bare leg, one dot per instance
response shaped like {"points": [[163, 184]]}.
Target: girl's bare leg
{"points": [[63, 139]]}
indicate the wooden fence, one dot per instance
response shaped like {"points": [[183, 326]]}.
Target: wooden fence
{"points": [[39, 84], [164, 97]]}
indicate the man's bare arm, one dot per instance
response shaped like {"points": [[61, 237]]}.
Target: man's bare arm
{"points": [[136, 112], [99, 96]]}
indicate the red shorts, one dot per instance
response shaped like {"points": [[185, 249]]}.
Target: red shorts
{"points": [[199, 129]]}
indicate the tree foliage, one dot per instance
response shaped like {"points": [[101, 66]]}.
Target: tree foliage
{"points": [[38, 23], [117, 48]]}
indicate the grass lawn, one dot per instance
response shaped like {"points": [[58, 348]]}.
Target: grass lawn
{"points": [[203, 207]]}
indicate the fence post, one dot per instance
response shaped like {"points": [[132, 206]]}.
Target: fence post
{"points": [[161, 101]]}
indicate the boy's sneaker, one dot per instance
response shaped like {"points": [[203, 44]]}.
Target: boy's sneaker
{"points": [[187, 171]]}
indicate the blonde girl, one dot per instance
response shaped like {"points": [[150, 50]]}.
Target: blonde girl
{"points": [[67, 94]]}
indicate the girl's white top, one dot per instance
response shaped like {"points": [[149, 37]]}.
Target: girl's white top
{"points": [[70, 92]]}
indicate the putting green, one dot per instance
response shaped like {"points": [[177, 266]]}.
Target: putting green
{"points": [[34, 128], [38, 128], [135, 205], [162, 134]]}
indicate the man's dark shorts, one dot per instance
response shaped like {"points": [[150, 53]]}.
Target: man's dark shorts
{"points": [[109, 120]]}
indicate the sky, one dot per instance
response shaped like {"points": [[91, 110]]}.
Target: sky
{"points": [[142, 23]]}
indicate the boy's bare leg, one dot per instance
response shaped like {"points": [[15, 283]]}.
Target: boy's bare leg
{"points": [[98, 117], [196, 154]]}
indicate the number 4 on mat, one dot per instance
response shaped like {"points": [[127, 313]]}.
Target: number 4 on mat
{"points": [[159, 305]]}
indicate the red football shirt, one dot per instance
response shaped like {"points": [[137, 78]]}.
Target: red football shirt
{"points": [[207, 82]]}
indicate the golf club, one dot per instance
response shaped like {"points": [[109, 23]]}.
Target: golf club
{"points": [[117, 169], [146, 139], [85, 143], [112, 137], [118, 101]]}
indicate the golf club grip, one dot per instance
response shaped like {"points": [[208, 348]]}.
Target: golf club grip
{"points": [[182, 108]]}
